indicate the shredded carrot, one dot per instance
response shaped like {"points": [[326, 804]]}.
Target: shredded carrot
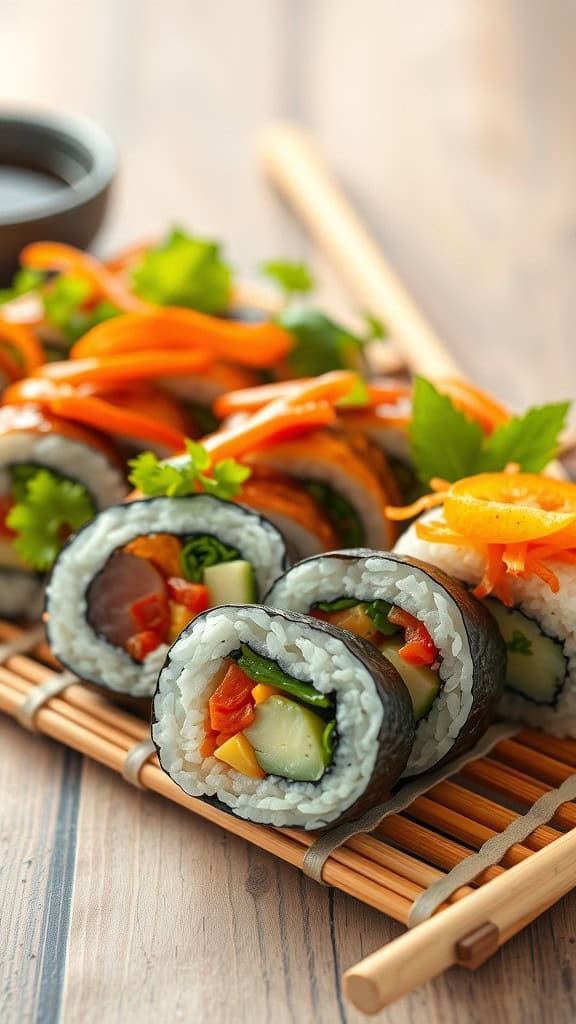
{"points": [[274, 422], [23, 339], [68, 260], [144, 366], [475, 403], [127, 257], [327, 387], [420, 505], [514, 557]]}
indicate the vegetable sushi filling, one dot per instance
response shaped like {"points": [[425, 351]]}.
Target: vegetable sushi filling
{"points": [[125, 585], [152, 587], [280, 718], [400, 636], [263, 721]]}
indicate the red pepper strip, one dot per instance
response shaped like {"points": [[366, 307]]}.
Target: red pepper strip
{"points": [[141, 644], [419, 648], [165, 328], [120, 368], [230, 722], [68, 260], [229, 699], [193, 596], [151, 612], [23, 339]]}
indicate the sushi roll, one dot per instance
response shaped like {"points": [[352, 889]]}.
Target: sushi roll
{"points": [[125, 586], [442, 642], [538, 626], [53, 471], [279, 718]]}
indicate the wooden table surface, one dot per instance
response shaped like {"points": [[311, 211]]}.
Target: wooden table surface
{"points": [[452, 126]]}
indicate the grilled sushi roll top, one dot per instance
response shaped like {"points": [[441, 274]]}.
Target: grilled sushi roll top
{"points": [[442, 642], [126, 585], [279, 718], [54, 476]]}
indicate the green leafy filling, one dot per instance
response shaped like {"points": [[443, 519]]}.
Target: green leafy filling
{"points": [[154, 478], [65, 307], [184, 271], [519, 644], [200, 552], [24, 281], [378, 612], [340, 513], [263, 670], [47, 509], [341, 604], [446, 443], [292, 278], [320, 344]]}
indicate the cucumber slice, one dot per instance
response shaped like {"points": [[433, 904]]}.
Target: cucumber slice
{"points": [[287, 740], [422, 683], [231, 583], [537, 666]]}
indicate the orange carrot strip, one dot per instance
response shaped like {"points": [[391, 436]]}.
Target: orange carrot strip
{"points": [[252, 399], [493, 573], [127, 257], [257, 345], [23, 339], [476, 403], [101, 415], [145, 366], [514, 557], [438, 532], [273, 422], [327, 387], [388, 392], [68, 260], [418, 506], [537, 567]]}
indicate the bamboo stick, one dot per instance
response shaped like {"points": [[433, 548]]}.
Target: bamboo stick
{"points": [[472, 833], [293, 162], [442, 851], [510, 901], [512, 753], [521, 787], [487, 812]]}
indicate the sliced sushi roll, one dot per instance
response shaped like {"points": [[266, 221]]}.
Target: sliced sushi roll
{"points": [[538, 627], [442, 642], [126, 585], [279, 718], [54, 476]]}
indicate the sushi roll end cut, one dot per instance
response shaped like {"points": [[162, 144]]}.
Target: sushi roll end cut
{"points": [[442, 641], [279, 718]]}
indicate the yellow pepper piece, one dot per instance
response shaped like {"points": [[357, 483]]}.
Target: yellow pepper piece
{"points": [[261, 692], [238, 752], [180, 616]]}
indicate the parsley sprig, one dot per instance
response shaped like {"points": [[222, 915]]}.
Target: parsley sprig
{"points": [[154, 478], [184, 271], [48, 509]]}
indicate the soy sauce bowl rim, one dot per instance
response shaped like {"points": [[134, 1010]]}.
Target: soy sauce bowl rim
{"points": [[58, 133]]}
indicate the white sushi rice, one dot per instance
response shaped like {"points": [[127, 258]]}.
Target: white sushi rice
{"points": [[191, 676], [22, 593], [372, 578], [553, 612], [72, 638]]}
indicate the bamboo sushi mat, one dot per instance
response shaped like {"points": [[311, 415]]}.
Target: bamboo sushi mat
{"points": [[391, 867]]}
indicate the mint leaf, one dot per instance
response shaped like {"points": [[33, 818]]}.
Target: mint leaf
{"points": [[292, 278], [443, 441], [530, 440], [184, 271], [320, 344]]}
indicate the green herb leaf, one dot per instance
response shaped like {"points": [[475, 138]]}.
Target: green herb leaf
{"points": [[378, 611], [443, 441], [46, 512], [339, 605], [184, 271], [63, 307], [446, 443], [187, 476], [293, 278], [530, 440], [25, 280], [320, 344], [200, 552], [519, 644], [376, 330], [263, 670]]}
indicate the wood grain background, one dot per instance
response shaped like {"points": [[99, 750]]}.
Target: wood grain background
{"points": [[452, 126]]}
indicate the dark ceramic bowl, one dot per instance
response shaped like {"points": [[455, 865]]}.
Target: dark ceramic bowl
{"points": [[55, 178]]}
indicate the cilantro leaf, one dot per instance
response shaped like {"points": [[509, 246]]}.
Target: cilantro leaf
{"points": [[530, 440], [224, 479], [63, 307], [376, 329], [184, 271], [25, 280], [320, 344], [519, 644], [443, 441], [50, 510], [292, 278]]}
